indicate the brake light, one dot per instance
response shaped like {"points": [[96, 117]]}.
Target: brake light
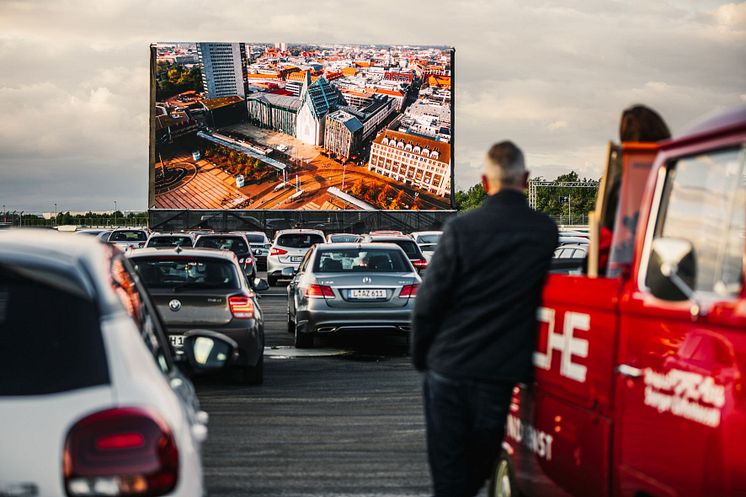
{"points": [[319, 292], [420, 263], [278, 251], [241, 307], [409, 291], [123, 451]]}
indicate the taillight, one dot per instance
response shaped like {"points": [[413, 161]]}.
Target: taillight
{"points": [[408, 291], [241, 307], [420, 263], [123, 451], [240, 261], [319, 292], [278, 251]]}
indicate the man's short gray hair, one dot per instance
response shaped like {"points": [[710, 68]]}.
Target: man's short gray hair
{"points": [[505, 164]]}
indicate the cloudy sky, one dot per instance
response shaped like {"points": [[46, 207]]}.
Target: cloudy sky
{"points": [[551, 75]]}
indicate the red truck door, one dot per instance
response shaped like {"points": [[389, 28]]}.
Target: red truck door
{"points": [[678, 368], [559, 429]]}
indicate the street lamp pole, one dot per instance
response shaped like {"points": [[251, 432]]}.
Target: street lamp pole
{"points": [[115, 213]]}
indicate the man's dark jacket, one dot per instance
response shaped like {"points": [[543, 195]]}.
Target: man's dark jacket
{"points": [[475, 315]]}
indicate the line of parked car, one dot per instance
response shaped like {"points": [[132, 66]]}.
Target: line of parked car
{"points": [[107, 336]]}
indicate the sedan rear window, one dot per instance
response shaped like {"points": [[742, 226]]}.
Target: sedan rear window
{"points": [[408, 246], [128, 236], [343, 238], [187, 273], [256, 238], [361, 260], [170, 241], [433, 238], [299, 240], [236, 244], [51, 338]]}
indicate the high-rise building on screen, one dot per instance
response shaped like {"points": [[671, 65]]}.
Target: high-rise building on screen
{"points": [[223, 67]]}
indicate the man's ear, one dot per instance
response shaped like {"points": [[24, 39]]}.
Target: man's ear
{"points": [[485, 183], [525, 179]]}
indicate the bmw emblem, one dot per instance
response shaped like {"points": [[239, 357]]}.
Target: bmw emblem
{"points": [[174, 305]]}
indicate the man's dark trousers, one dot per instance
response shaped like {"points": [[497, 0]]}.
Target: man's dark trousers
{"points": [[465, 427]]}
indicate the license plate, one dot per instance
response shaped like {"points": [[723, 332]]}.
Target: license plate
{"points": [[177, 341], [368, 293], [296, 258]]}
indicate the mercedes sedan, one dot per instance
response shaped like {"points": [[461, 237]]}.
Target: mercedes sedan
{"points": [[351, 288]]}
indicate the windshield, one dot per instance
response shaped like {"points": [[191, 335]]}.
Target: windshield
{"points": [[187, 272], [299, 240], [361, 260], [343, 238], [128, 236], [432, 238], [170, 241], [236, 244]]}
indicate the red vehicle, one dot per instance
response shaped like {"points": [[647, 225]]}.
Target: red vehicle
{"points": [[639, 384]]}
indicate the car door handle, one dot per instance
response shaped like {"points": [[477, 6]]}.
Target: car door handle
{"points": [[629, 371]]}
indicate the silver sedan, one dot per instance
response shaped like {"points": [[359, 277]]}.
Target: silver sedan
{"points": [[351, 288]]}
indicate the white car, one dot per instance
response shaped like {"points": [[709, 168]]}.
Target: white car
{"points": [[91, 399], [126, 238], [427, 241], [287, 251]]}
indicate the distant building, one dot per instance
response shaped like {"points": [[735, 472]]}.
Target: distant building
{"points": [[172, 127], [348, 128], [224, 111], [223, 67], [317, 100], [404, 77], [413, 160], [274, 111]]}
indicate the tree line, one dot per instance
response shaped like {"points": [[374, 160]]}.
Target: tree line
{"points": [[558, 202], [172, 79]]}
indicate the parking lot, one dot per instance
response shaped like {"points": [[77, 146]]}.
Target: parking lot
{"points": [[346, 423]]}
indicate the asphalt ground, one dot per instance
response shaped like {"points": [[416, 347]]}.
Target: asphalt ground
{"points": [[346, 423]]}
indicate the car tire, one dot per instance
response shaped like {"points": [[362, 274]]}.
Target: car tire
{"points": [[502, 483], [272, 280], [249, 375], [303, 340]]}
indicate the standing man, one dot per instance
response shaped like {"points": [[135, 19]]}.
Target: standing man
{"points": [[474, 323]]}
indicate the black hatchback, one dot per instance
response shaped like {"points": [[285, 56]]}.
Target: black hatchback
{"points": [[237, 244], [205, 289]]}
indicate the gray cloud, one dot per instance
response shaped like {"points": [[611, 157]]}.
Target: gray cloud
{"points": [[553, 76]]}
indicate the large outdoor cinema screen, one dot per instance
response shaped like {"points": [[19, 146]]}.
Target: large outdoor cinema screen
{"points": [[301, 126]]}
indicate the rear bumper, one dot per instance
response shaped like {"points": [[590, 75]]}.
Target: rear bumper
{"points": [[394, 321], [275, 267], [247, 333]]}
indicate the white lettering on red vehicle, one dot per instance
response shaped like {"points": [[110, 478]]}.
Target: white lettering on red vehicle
{"points": [[537, 441], [566, 343], [684, 394]]}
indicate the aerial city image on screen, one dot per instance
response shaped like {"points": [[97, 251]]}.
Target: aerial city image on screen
{"points": [[298, 126]]}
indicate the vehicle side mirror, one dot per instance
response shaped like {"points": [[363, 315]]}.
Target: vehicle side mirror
{"points": [[260, 285], [289, 271], [672, 271], [207, 350]]}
